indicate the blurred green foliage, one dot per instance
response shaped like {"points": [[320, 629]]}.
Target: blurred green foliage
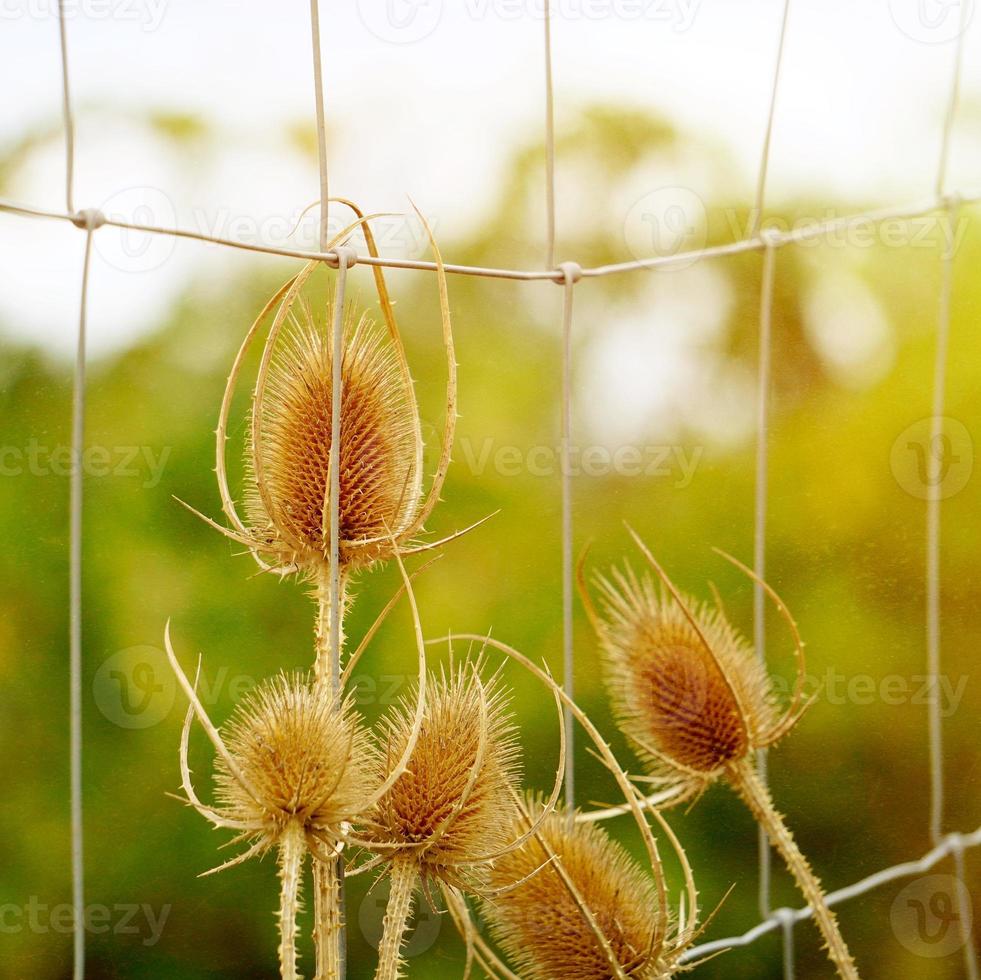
{"points": [[846, 551]]}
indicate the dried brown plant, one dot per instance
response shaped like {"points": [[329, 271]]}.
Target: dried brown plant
{"points": [[447, 817], [541, 924], [293, 766], [665, 937], [692, 696], [382, 507], [288, 521]]}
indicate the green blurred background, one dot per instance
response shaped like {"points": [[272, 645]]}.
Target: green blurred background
{"points": [[846, 551]]}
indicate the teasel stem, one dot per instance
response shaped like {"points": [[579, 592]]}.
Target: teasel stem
{"points": [[328, 877], [403, 881], [328, 925], [746, 781], [292, 849], [327, 668]]}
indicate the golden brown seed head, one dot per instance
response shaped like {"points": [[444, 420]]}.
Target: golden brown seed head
{"points": [[380, 478], [683, 708], [454, 803], [540, 926], [305, 758]]}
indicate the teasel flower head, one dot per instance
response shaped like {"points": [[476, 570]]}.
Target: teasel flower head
{"points": [[576, 905], [697, 703], [448, 816], [451, 807], [294, 765], [289, 456], [687, 689], [382, 506]]}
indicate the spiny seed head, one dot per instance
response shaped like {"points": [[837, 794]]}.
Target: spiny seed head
{"points": [[682, 707], [307, 758], [380, 478], [454, 803], [540, 926]]}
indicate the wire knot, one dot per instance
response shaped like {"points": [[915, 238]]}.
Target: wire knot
{"points": [[771, 237], [786, 917], [571, 273], [343, 253], [89, 219]]}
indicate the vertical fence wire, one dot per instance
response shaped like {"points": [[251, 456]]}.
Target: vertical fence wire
{"points": [[964, 913], [934, 494], [67, 114], [549, 143], [762, 435], [334, 504], [760, 498], [76, 502], [757, 216], [935, 459], [75, 538], [318, 84], [571, 275], [334, 489]]}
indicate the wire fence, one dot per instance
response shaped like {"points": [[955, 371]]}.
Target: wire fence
{"points": [[768, 241]]}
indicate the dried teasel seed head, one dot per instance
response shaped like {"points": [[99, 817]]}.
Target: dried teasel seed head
{"points": [[542, 924], [686, 688], [287, 497], [453, 805], [305, 759]]}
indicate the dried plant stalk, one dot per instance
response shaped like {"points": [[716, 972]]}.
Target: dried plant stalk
{"points": [[404, 876], [697, 704]]}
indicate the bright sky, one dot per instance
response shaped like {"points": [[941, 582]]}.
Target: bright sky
{"points": [[427, 98]]}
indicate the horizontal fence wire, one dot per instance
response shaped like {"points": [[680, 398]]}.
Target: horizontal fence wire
{"points": [[766, 239], [948, 847]]}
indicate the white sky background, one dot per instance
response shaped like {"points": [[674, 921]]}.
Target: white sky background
{"points": [[858, 118]]}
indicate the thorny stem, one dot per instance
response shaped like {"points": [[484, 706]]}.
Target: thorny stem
{"points": [[328, 878], [404, 874], [745, 780], [327, 667], [292, 849], [328, 924]]}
